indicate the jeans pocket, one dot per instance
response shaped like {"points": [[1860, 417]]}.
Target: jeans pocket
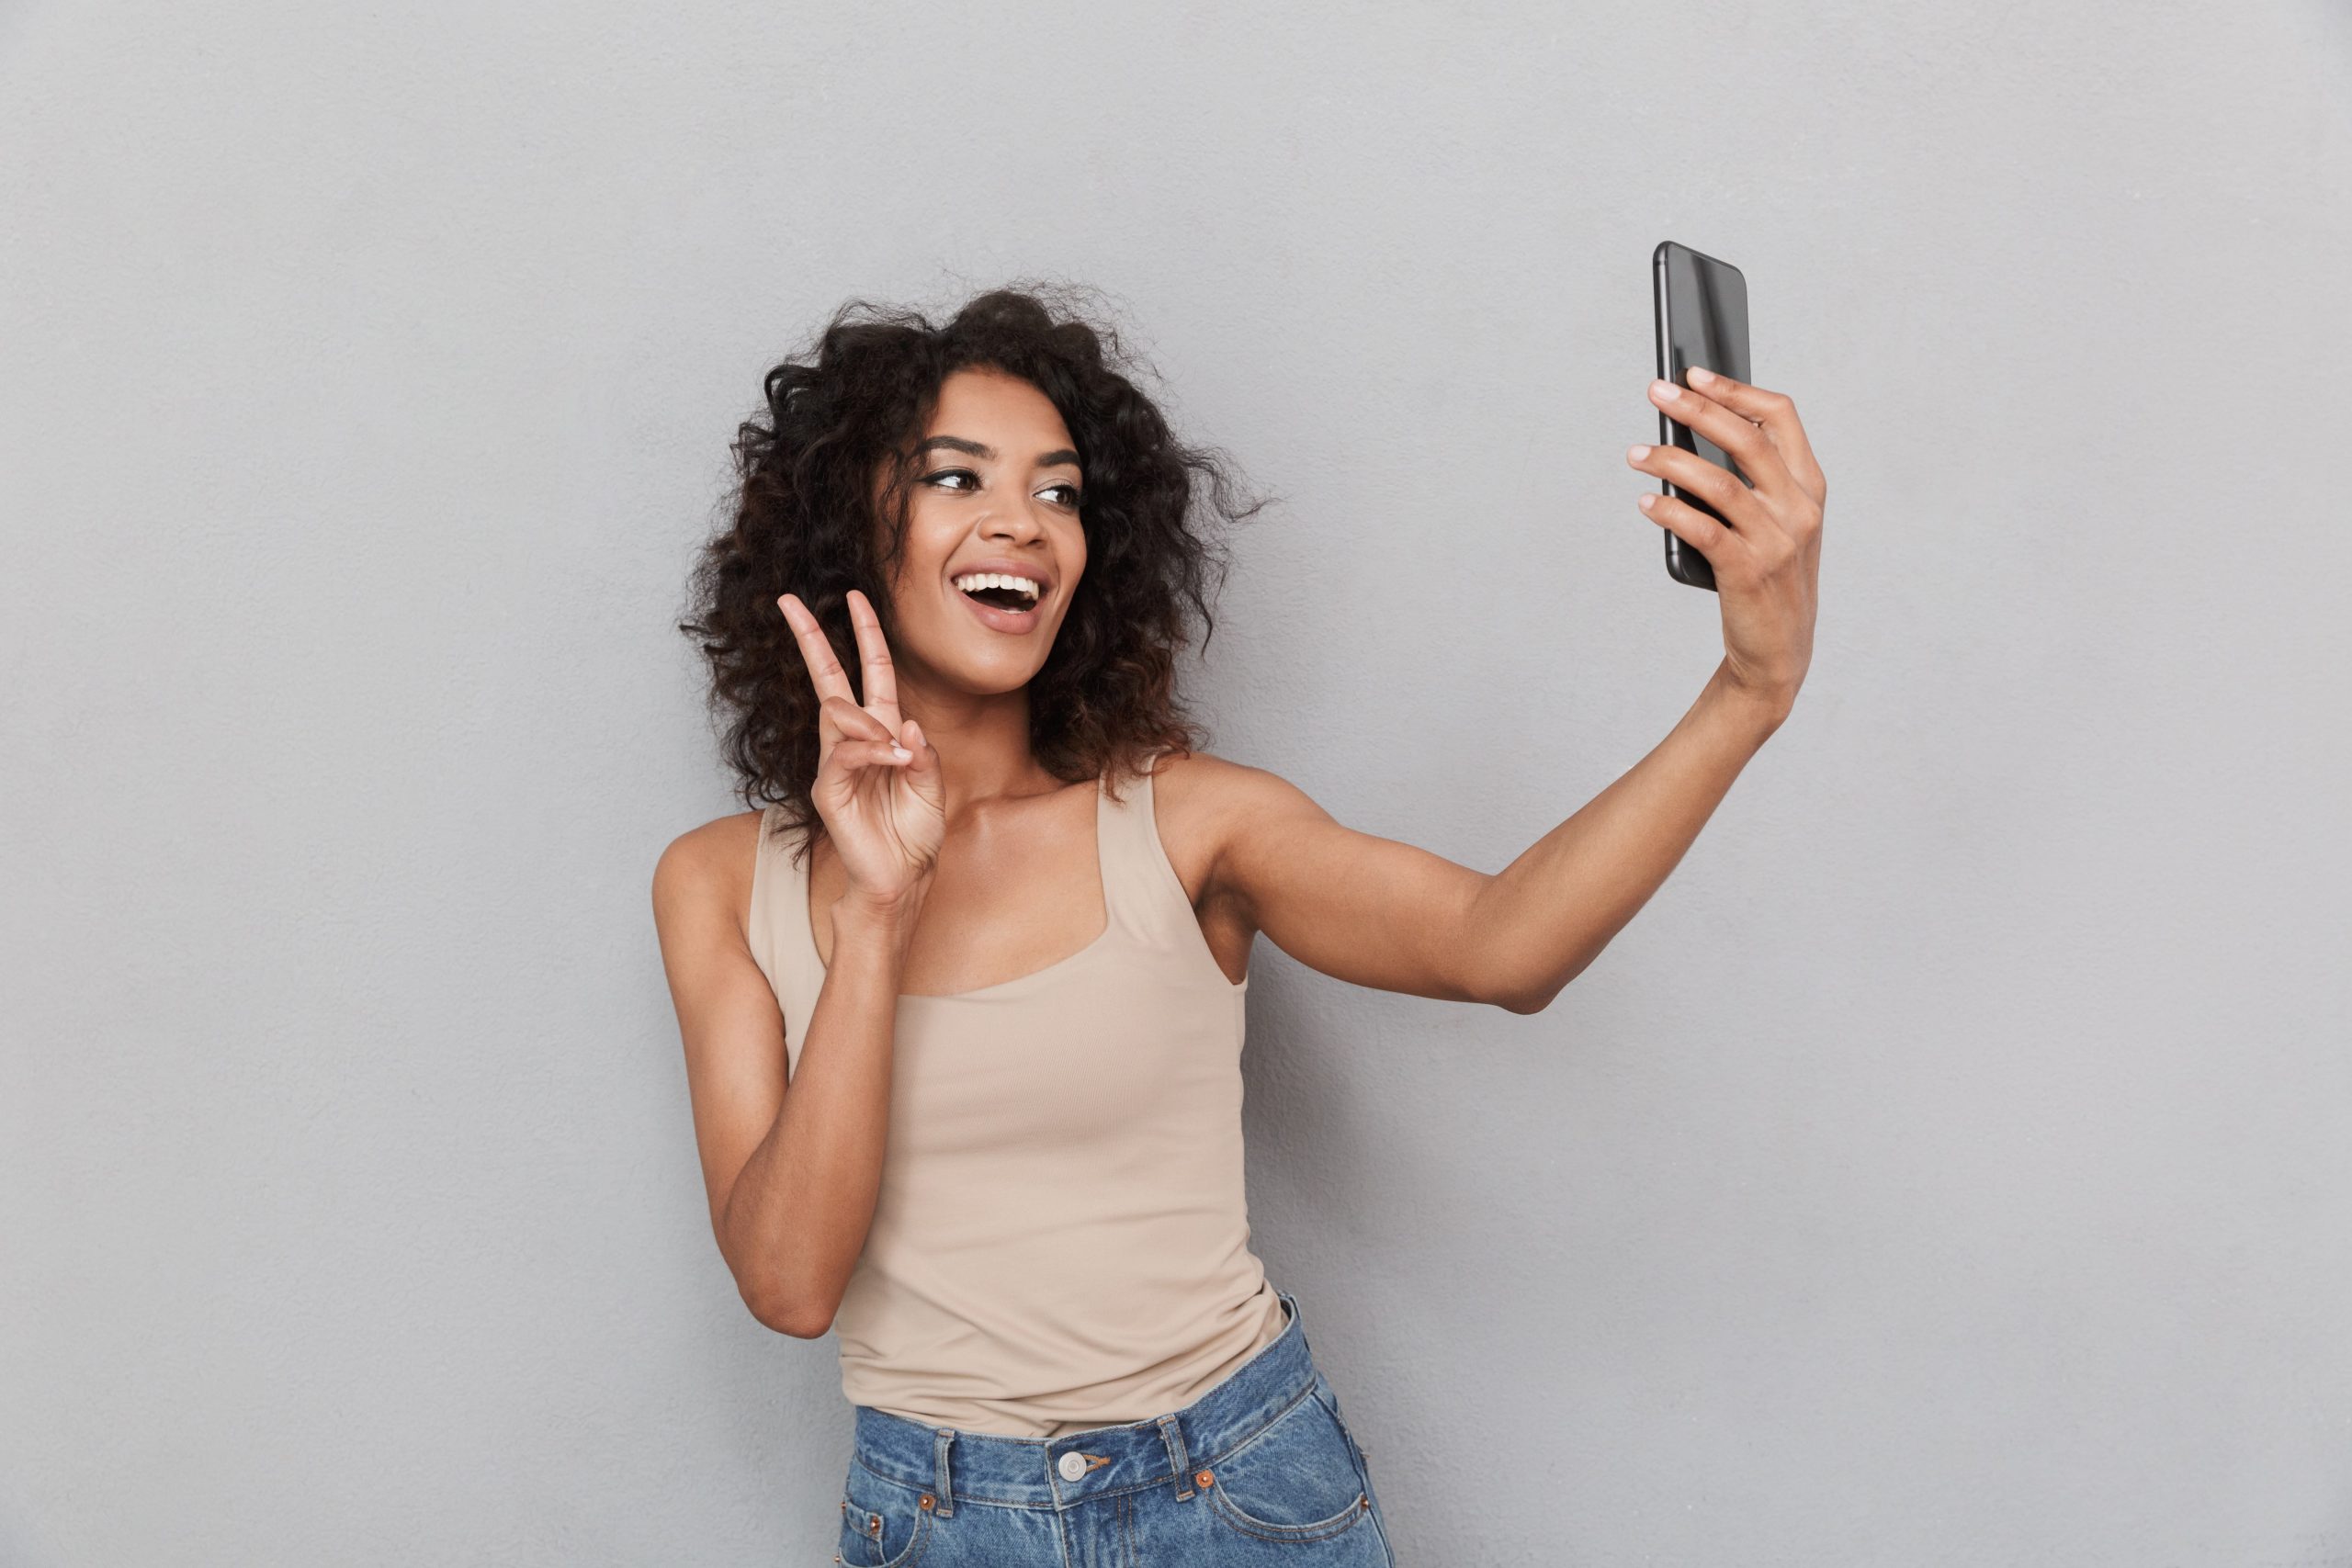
{"points": [[885, 1524], [1295, 1480]]}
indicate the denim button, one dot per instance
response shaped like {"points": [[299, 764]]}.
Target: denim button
{"points": [[1072, 1465]]}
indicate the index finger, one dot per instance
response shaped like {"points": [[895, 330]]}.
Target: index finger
{"points": [[1743, 440], [825, 672], [1776, 412]]}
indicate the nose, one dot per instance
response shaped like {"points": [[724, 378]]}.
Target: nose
{"points": [[1015, 521]]}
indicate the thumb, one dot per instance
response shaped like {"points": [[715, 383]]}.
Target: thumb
{"points": [[922, 773]]}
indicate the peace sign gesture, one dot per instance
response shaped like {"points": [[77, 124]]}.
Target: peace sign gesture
{"points": [[877, 790]]}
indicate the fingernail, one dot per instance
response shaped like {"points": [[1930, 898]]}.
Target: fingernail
{"points": [[900, 753], [1635, 454], [1701, 377], [1645, 500], [1667, 391]]}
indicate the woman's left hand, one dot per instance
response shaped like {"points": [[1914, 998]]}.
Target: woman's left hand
{"points": [[1768, 562]]}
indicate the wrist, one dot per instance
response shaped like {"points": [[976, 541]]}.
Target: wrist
{"points": [[886, 922], [1760, 711]]}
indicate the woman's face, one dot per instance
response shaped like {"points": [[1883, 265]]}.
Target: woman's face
{"points": [[996, 490]]}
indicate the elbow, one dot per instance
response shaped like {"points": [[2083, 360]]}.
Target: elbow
{"points": [[1523, 1002], [764, 1280], [804, 1327], [1524, 995], [779, 1305], [1524, 990], [787, 1314]]}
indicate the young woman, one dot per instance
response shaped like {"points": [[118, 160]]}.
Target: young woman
{"points": [[962, 998]]}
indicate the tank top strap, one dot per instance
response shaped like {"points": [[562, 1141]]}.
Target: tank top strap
{"points": [[780, 936], [1148, 899]]}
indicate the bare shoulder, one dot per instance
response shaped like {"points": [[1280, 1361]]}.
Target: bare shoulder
{"points": [[705, 873], [1210, 807]]}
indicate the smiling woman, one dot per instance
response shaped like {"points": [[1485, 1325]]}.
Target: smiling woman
{"points": [[999, 1149]]}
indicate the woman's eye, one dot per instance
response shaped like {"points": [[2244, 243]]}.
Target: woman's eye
{"points": [[1071, 490]]}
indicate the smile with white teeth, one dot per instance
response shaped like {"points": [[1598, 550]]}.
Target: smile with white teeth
{"points": [[1023, 589]]}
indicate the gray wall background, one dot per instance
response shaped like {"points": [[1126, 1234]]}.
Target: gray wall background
{"points": [[1948, 1167]]}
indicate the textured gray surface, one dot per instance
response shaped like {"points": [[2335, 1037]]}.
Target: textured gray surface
{"points": [[1948, 1168]]}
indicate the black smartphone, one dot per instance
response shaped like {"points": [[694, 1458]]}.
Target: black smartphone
{"points": [[1701, 310]]}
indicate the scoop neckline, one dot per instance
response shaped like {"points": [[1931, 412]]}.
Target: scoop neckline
{"points": [[1110, 925]]}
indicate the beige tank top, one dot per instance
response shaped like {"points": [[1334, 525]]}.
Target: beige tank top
{"points": [[1061, 1239]]}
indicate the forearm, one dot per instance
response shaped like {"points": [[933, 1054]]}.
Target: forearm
{"points": [[1538, 923], [800, 1210]]}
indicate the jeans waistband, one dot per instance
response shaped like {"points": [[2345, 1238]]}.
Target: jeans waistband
{"points": [[986, 1467]]}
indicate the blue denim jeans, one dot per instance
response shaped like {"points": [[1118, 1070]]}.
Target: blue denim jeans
{"points": [[1260, 1469]]}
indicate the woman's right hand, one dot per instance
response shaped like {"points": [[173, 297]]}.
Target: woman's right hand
{"points": [[886, 811]]}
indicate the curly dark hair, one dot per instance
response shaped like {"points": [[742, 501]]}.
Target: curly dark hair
{"points": [[846, 412]]}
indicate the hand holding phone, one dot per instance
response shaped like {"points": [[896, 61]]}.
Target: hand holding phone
{"points": [[1758, 520]]}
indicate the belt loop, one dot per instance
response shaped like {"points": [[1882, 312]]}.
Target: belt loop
{"points": [[1173, 1436], [940, 1437]]}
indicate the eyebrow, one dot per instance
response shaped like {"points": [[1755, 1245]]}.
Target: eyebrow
{"points": [[988, 454]]}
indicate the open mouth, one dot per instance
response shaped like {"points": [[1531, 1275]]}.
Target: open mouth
{"points": [[999, 591], [1004, 598]]}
